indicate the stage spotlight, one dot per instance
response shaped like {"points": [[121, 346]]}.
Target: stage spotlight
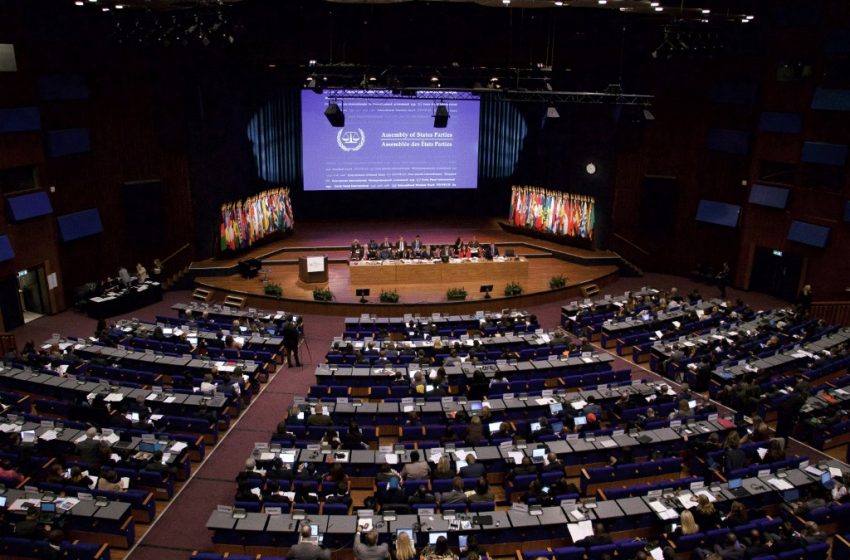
{"points": [[441, 116], [335, 115], [648, 116], [552, 113]]}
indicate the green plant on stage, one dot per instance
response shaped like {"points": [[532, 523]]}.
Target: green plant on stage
{"points": [[456, 293], [390, 296], [557, 282], [513, 289], [273, 290], [322, 294]]}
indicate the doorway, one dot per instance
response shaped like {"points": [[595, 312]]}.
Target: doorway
{"points": [[776, 273], [32, 291]]}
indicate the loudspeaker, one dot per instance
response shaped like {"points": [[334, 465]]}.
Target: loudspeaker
{"points": [[335, 116], [441, 116]]}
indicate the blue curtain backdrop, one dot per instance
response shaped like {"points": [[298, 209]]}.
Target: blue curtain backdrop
{"points": [[503, 131], [275, 135]]}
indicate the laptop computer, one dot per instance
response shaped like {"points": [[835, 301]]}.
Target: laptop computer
{"points": [[791, 495], [432, 537], [826, 480], [538, 455], [736, 488], [48, 512]]}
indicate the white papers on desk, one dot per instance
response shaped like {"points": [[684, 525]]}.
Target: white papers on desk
{"points": [[111, 439], [288, 457], [780, 484], [459, 465], [364, 524], [48, 435], [178, 447], [267, 456], [577, 514], [707, 494], [125, 482], [578, 405], [115, 457], [581, 530], [23, 504], [391, 458], [657, 506], [170, 400], [814, 471], [65, 504], [587, 360], [155, 417], [151, 397], [516, 456], [114, 397], [677, 324], [545, 401], [835, 472], [608, 443], [6, 428], [657, 553], [460, 454], [762, 451], [669, 514]]}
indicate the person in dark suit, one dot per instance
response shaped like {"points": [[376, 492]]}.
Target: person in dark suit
{"points": [[88, 449], [473, 468], [417, 247], [291, 338], [30, 528], [722, 279], [307, 550]]}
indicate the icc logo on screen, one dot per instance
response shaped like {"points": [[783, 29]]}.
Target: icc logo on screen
{"points": [[350, 140]]}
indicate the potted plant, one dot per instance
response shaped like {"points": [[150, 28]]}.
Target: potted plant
{"points": [[513, 289], [557, 282], [322, 294], [274, 290], [390, 296], [456, 294]]}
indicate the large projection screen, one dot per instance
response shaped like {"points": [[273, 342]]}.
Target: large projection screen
{"points": [[389, 142]]}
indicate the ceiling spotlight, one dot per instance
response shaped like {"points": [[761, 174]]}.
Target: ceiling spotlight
{"points": [[105, 8], [654, 4], [552, 112], [706, 11], [751, 17], [119, 6], [506, 2], [312, 62], [335, 116], [559, 3], [659, 8], [441, 116], [603, 1], [79, 3], [434, 79]]}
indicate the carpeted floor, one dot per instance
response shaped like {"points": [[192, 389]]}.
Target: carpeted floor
{"points": [[181, 528]]}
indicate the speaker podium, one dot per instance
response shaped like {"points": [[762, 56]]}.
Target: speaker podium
{"points": [[313, 270]]}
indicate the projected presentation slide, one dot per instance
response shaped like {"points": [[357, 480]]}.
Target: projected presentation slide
{"points": [[388, 143]]}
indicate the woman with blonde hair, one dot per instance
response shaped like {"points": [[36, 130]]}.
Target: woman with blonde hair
{"points": [[444, 468], [688, 525], [404, 549]]}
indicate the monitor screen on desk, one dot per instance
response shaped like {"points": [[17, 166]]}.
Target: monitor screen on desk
{"points": [[494, 426], [432, 537], [581, 420], [735, 483]]}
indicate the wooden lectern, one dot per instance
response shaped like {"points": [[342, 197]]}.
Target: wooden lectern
{"points": [[313, 270]]}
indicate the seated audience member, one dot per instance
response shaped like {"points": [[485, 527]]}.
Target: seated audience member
{"points": [[366, 547], [441, 551], [306, 549], [687, 526], [110, 481], [391, 494], [456, 495], [404, 549], [30, 527], [705, 514], [482, 492], [473, 468], [738, 515], [735, 456], [7, 471], [443, 468], [340, 495], [415, 469], [422, 496]]}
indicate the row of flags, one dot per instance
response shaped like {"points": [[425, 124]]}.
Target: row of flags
{"points": [[245, 222], [555, 212]]}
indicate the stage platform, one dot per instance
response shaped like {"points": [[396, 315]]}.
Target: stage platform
{"points": [[543, 259]]}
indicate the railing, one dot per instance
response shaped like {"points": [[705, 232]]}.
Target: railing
{"points": [[631, 244], [833, 312], [175, 253]]}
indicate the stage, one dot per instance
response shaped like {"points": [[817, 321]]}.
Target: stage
{"points": [[538, 261]]}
